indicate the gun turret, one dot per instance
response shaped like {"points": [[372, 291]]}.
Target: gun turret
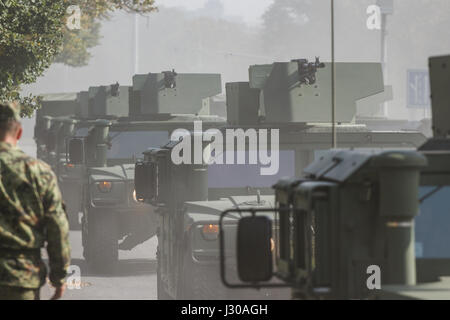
{"points": [[300, 92], [307, 70], [82, 110], [170, 92], [58, 105], [109, 101], [170, 79]]}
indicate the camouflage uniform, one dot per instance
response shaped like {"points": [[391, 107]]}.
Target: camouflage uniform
{"points": [[31, 213]]}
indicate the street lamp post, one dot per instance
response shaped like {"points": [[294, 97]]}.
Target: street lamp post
{"points": [[136, 43], [386, 9], [333, 83]]}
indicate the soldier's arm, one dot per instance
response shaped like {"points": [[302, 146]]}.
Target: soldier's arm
{"points": [[57, 227]]}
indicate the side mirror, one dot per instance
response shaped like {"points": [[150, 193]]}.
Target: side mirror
{"points": [[254, 252], [144, 181], [76, 151]]}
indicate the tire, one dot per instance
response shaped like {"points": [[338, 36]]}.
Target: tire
{"points": [[101, 241]]}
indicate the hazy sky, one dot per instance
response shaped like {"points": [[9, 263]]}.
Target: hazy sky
{"points": [[249, 10], [166, 44]]}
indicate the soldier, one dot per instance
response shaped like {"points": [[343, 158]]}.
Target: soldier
{"points": [[31, 213]]}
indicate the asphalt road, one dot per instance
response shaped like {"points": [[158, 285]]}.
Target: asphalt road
{"points": [[134, 278]]}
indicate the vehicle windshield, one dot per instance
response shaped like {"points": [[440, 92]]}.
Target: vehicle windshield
{"points": [[432, 236], [125, 144]]}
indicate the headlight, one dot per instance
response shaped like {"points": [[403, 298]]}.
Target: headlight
{"points": [[136, 199], [210, 232], [104, 186]]}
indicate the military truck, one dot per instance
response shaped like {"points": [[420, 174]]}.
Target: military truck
{"points": [[101, 158], [358, 225], [290, 99]]}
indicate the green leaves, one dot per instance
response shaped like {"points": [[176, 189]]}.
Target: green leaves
{"points": [[33, 35], [30, 35]]}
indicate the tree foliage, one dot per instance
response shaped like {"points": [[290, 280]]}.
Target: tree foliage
{"points": [[30, 38], [33, 35]]}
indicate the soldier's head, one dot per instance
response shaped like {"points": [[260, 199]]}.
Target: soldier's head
{"points": [[10, 126]]}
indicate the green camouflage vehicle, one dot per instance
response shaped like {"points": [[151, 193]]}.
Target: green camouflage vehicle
{"points": [[358, 225], [99, 174], [431, 235], [288, 102], [59, 118]]}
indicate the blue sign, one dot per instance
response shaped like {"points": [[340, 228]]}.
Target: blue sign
{"points": [[386, 6], [418, 89]]}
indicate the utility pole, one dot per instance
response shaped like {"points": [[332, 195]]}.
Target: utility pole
{"points": [[136, 43], [333, 83], [386, 8]]}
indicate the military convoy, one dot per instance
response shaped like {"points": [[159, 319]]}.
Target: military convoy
{"points": [[356, 225], [94, 157], [286, 103], [112, 148]]}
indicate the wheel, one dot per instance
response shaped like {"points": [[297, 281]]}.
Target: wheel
{"points": [[100, 241], [200, 282]]}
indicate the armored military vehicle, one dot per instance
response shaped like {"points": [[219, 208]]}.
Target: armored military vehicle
{"points": [[62, 114], [370, 117], [59, 118], [49, 120], [431, 236], [101, 158], [285, 103], [358, 225], [56, 121]]}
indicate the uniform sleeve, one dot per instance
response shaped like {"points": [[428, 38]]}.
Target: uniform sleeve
{"points": [[57, 227]]}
